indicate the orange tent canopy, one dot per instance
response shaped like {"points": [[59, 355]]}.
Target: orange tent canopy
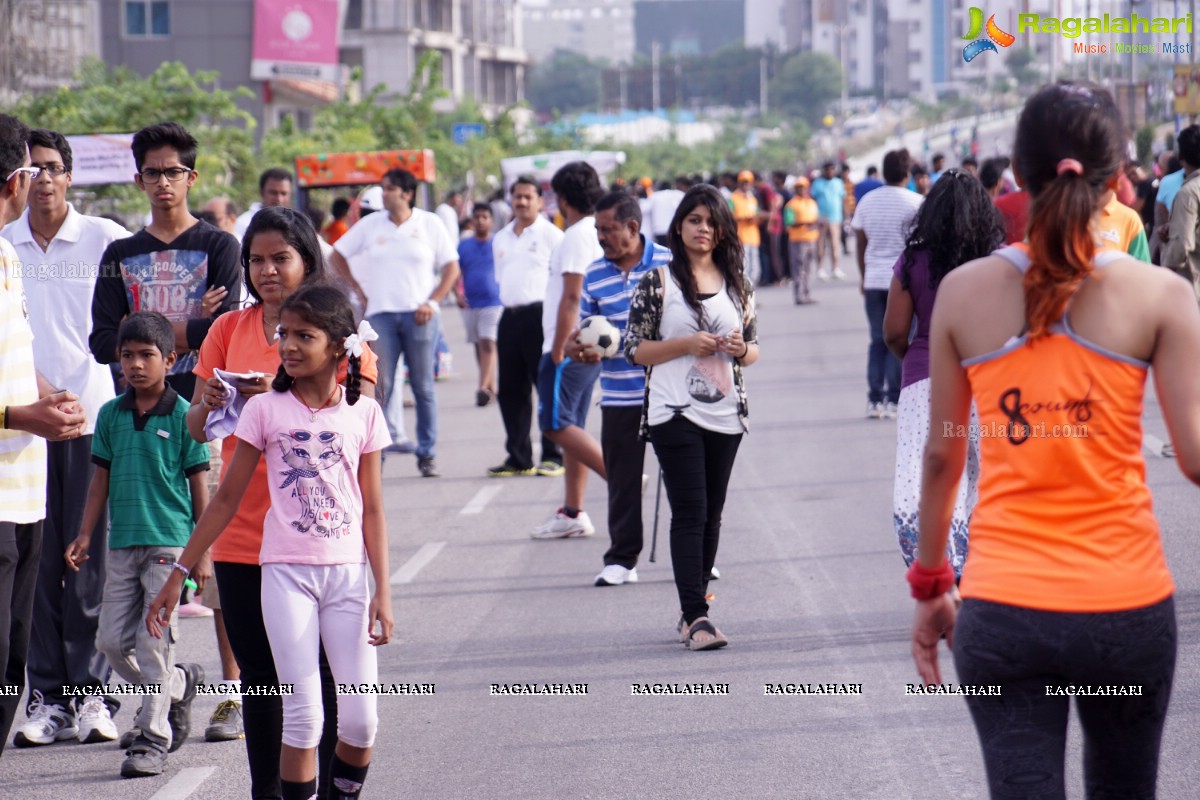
{"points": [[354, 169]]}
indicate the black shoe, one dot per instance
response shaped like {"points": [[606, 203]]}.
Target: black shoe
{"points": [[143, 759], [180, 715], [428, 467]]}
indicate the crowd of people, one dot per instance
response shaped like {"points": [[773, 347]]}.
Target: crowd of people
{"points": [[229, 384]]}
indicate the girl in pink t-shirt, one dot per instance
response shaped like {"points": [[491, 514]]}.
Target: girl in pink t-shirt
{"points": [[322, 447]]}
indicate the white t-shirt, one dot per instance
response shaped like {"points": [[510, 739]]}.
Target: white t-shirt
{"points": [[402, 264], [58, 287], [884, 214], [449, 218], [243, 220], [704, 385], [661, 211], [523, 261], [316, 512], [577, 250]]}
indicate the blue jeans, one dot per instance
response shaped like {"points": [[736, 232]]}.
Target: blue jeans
{"points": [[883, 368], [400, 335]]}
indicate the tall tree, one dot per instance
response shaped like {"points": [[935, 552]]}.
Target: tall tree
{"points": [[565, 82], [807, 84]]}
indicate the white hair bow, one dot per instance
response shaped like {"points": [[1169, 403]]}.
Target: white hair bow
{"points": [[277, 329], [355, 341]]}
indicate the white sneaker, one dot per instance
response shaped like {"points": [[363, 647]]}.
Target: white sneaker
{"points": [[47, 724], [874, 410], [645, 483], [823, 274], [95, 721], [615, 575], [560, 526], [715, 574], [890, 410], [839, 275]]}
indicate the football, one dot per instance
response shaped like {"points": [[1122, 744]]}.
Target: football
{"points": [[598, 335]]}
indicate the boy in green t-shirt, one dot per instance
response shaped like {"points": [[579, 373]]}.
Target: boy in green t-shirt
{"points": [[150, 473]]}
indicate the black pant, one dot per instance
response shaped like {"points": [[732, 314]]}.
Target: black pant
{"points": [[624, 455], [66, 604], [696, 464], [518, 351], [1024, 731], [240, 586], [20, 546]]}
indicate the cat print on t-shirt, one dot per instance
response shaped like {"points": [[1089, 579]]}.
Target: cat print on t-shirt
{"points": [[317, 479]]}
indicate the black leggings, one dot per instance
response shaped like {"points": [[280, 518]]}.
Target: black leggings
{"points": [[696, 464], [240, 586], [1031, 654]]}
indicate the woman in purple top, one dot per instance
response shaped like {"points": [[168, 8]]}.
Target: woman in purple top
{"points": [[957, 223]]}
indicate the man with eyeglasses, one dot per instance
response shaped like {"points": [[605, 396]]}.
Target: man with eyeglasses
{"points": [[59, 250], [180, 266], [31, 410]]}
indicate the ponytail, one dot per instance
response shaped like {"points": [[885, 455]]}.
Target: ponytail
{"points": [[353, 379], [283, 381], [1061, 247]]}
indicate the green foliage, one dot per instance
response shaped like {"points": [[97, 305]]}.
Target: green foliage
{"points": [[808, 83], [1022, 64], [565, 82], [1145, 143], [118, 100]]}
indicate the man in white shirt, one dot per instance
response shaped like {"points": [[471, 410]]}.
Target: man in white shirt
{"points": [[450, 213], [274, 189], [881, 223], [521, 252], [59, 250], [402, 293], [565, 385], [661, 208]]}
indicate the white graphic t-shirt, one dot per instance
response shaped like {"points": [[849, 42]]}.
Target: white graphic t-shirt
{"points": [[312, 473]]}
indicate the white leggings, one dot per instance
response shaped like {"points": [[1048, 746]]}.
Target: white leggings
{"points": [[303, 605]]}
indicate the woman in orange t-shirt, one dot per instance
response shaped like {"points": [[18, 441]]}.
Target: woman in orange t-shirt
{"points": [[279, 254], [1066, 590]]}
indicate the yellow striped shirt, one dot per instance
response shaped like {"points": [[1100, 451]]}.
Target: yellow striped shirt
{"points": [[22, 455]]}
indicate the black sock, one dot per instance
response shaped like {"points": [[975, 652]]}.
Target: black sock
{"points": [[346, 781], [571, 512], [302, 790]]}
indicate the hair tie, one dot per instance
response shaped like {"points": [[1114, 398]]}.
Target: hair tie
{"points": [[355, 341], [1070, 165]]}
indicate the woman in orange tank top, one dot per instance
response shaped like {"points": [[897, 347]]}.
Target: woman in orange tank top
{"points": [[1066, 591]]}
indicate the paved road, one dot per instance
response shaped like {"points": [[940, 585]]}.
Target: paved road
{"points": [[812, 593]]}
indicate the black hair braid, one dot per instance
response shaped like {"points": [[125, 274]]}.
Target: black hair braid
{"points": [[283, 381], [353, 379]]}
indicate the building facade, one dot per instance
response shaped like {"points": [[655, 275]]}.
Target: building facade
{"points": [[44, 42], [599, 29]]}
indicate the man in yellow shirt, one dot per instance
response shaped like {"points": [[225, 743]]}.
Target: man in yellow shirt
{"points": [[801, 218], [745, 210]]}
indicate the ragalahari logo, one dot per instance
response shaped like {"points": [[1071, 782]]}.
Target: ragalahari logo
{"points": [[995, 36]]}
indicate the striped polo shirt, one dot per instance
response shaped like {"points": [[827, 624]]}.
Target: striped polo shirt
{"points": [[22, 455], [606, 291]]}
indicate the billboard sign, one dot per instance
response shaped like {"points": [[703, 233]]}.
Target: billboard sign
{"points": [[295, 39]]}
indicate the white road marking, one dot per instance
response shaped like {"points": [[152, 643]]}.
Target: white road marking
{"points": [[420, 559], [182, 785], [479, 502]]}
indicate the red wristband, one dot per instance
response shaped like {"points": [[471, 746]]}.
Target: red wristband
{"points": [[930, 583]]}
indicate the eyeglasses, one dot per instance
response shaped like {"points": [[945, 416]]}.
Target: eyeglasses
{"points": [[32, 172], [173, 174], [53, 170]]}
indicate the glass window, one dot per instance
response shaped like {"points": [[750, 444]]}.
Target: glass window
{"points": [[135, 19], [146, 18], [160, 18]]}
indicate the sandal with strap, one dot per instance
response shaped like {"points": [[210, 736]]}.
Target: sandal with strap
{"points": [[702, 624]]}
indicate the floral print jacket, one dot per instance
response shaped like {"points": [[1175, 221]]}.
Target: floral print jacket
{"points": [[645, 314]]}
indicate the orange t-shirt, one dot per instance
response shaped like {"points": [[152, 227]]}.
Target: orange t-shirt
{"points": [[1064, 520], [236, 343], [798, 211], [1117, 226], [745, 211], [335, 230]]}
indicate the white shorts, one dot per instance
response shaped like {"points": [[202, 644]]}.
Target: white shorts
{"points": [[482, 323]]}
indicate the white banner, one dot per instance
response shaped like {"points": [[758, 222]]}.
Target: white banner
{"points": [[542, 167], [102, 158]]}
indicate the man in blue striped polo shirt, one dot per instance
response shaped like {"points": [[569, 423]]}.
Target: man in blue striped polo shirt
{"points": [[607, 287]]}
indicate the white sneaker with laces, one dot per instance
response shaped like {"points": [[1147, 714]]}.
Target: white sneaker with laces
{"points": [[823, 274], [47, 724], [839, 275], [890, 410], [560, 526], [874, 410], [95, 721], [615, 575]]}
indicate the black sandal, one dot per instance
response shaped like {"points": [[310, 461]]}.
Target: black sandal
{"points": [[702, 624]]}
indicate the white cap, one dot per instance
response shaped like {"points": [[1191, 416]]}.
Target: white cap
{"points": [[371, 198]]}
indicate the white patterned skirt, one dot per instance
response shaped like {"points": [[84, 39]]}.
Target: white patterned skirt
{"points": [[912, 429]]}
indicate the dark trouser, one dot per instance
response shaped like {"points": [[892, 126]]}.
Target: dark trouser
{"points": [[518, 351], [696, 464], [883, 368], [802, 258], [240, 586], [66, 604], [768, 256], [1023, 732], [20, 546], [624, 455]]}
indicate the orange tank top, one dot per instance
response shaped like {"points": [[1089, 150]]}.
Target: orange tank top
{"points": [[1064, 520]]}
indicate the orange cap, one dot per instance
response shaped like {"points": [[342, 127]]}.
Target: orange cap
{"points": [[801, 181], [745, 175], [647, 182]]}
